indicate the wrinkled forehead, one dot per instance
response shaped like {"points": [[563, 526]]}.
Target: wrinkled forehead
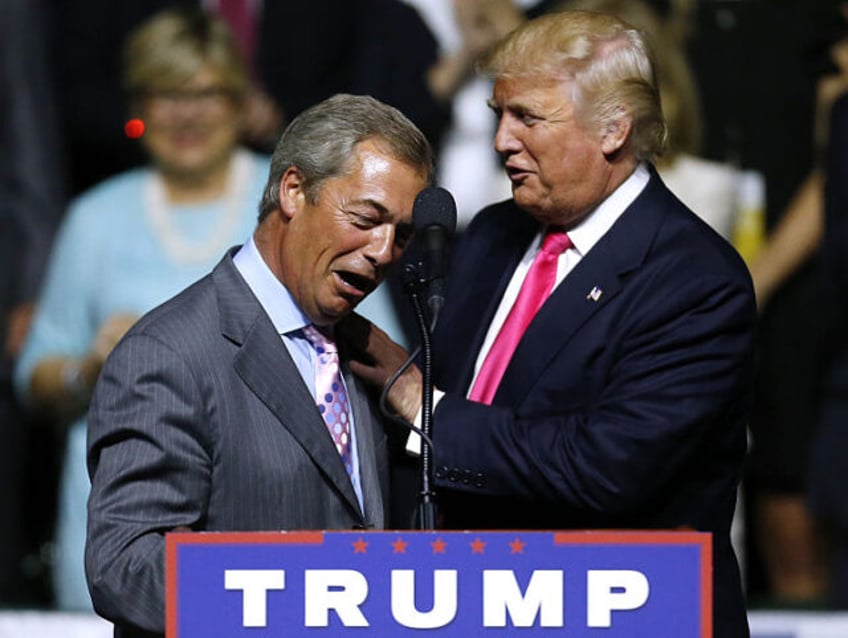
{"points": [[532, 91]]}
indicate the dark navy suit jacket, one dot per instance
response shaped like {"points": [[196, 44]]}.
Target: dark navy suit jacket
{"points": [[622, 408]]}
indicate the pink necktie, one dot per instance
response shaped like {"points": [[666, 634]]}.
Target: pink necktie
{"points": [[536, 288], [330, 393]]}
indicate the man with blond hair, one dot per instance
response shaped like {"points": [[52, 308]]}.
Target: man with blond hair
{"points": [[593, 360]]}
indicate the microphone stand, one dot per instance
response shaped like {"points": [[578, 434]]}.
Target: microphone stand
{"points": [[426, 518]]}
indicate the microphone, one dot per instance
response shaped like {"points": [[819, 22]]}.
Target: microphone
{"points": [[434, 220]]}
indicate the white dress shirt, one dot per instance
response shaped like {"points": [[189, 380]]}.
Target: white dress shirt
{"points": [[583, 237]]}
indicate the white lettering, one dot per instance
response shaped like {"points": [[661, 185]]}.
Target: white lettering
{"points": [[342, 590], [254, 584], [403, 599], [502, 595], [602, 600]]}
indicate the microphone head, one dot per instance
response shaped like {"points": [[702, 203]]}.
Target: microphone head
{"points": [[434, 206]]}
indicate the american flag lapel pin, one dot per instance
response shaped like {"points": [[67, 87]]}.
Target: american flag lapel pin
{"points": [[595, 294]]}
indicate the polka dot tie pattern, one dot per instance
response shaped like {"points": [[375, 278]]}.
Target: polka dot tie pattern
{"points": [[330, 393]]}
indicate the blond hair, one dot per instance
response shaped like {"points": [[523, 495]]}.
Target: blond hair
{"points": [[170, 48], [609, 64], [678, 88]]}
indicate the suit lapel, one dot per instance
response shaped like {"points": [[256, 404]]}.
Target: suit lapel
{"points": [[593, 283], [482, 290], [372, 495], [264, 364], [569, 307]]}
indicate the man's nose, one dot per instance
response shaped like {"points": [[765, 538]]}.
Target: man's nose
{"points": [[381, 247], [505, 139]]}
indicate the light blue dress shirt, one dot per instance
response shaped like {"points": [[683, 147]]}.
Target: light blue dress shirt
{"points": [[289, 320]]}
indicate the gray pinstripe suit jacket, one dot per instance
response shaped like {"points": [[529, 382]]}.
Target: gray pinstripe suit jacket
{"points": [[201, 419]]}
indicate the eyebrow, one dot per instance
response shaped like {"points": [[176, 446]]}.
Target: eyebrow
{"points": [[382, 211], [514, 106], [371, 203]]}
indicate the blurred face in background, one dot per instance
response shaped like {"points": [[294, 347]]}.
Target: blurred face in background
{"points": [[191, 130]]}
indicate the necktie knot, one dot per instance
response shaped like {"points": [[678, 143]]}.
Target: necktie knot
{"points": [[556, 241], [320, 341]]}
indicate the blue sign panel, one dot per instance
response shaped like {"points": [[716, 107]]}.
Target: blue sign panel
{"points": [[451, 584]]}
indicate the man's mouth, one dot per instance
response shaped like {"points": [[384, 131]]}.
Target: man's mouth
{"points": [[516, 173], [356, 284]]}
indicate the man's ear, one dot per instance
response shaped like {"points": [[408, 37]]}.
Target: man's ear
{"points": [[616, 133], [292, 193]]}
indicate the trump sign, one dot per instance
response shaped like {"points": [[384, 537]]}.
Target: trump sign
{"points": [[462, 584]]}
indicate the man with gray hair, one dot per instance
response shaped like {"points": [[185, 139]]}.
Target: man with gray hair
{"points": [[231, 406], [593, 359]]}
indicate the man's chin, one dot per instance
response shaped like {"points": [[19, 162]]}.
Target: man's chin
{"points": [[338, 311], [526, 200]]}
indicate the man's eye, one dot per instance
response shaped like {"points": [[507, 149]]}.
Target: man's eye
{"points": [[529, 119], [363, 221]]}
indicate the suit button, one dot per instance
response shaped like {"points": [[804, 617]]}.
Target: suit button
{"points": [[453, 476], [466, 477], [479, 480], [442, 472]]}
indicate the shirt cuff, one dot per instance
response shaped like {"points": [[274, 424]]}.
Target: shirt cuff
{"points": [[413, 442]]}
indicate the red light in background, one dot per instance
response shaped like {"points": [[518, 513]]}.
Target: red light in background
{"points": [[134, 128]]}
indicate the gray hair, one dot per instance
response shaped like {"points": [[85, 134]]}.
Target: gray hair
{"points": [[320, 143]]}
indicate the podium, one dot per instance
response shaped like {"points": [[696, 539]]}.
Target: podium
{"points": [[440, 583]]}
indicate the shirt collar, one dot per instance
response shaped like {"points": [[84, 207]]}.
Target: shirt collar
{"points": [[273, 296], [587, 233]]}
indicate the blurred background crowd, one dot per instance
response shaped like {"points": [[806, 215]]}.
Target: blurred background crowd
{"points": [[134, 139]]}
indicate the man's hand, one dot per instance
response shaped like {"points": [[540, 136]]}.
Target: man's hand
{"points": [[377, 358]]}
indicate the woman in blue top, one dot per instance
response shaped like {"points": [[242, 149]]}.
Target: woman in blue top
{"points": [[140, 237]]}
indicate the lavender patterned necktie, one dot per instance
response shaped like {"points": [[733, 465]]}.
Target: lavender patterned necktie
{"points": [[330, 393]]}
